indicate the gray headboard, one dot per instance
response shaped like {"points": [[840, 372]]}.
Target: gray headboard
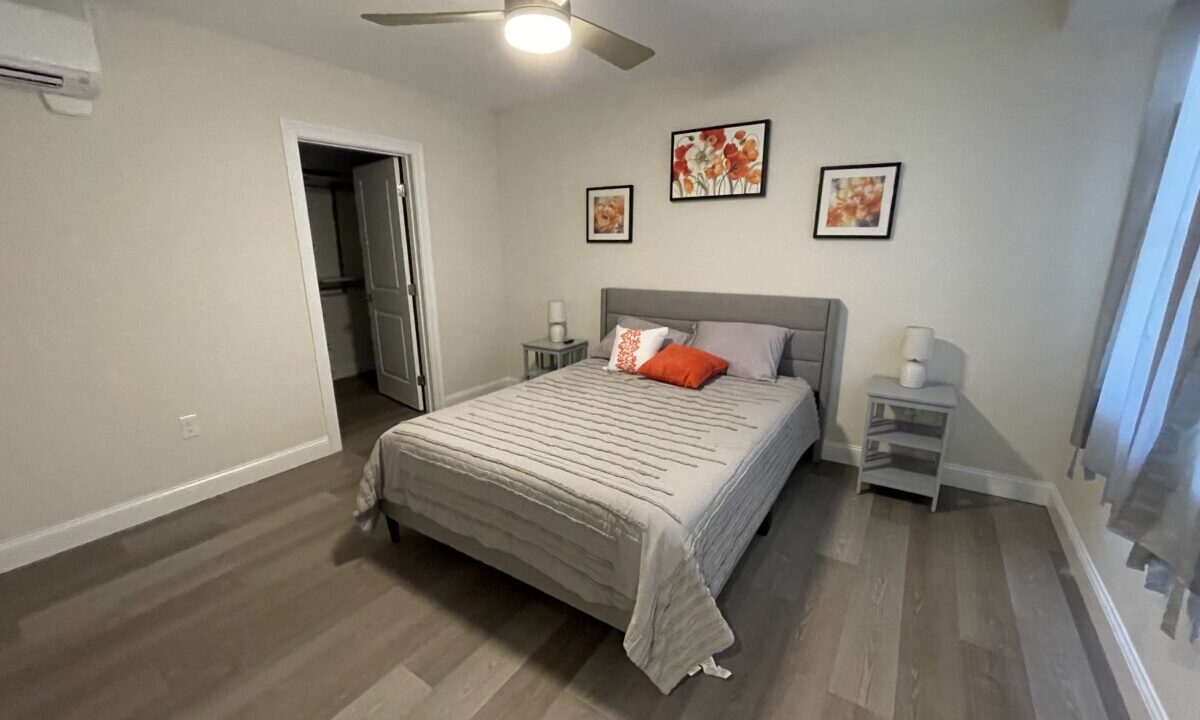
{"points": [[818, 327]]}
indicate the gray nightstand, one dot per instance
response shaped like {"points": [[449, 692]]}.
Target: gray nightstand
{"points": [[904, 441], [541, 356]]}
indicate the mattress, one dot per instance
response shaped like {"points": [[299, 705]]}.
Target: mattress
{"points": [[631, 494]]}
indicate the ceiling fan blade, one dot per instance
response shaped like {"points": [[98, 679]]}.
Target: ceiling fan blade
{"points": [[434, 18], [608, 45]]}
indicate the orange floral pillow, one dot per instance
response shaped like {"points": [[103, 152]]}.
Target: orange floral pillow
{"points": [[684, 366], [632, 347]]}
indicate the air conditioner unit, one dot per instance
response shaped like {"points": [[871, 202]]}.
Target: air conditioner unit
{"points": [[50, 52]]}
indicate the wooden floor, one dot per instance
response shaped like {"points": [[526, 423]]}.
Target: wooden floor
{"points": [[267, 603]]}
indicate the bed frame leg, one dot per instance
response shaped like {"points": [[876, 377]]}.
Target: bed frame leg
{"points": [[766, 525], [393, 529]]}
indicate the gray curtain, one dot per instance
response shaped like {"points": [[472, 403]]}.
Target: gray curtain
{"points": [[1160, 510], [1158, 126], [1139, 414], [1153, 484]]}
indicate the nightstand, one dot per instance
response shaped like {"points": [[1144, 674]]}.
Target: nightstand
{"points": [[904, 441], [541, 356]]}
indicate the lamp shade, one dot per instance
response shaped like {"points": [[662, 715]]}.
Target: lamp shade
{"points": [[918, 343], [558, 311]]}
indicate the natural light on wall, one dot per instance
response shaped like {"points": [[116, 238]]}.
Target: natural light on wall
{"points": [[537, 30]]}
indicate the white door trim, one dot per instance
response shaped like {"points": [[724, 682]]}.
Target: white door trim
{"points": [[413, 156]]}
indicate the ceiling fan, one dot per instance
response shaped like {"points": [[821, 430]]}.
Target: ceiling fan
{"points": [[537, 26]]}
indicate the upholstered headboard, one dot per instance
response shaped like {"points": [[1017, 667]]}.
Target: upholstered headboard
{"points": [[817, 324]]}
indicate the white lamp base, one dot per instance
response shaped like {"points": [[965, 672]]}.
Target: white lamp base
{"points": [[558, 332], [912, 374]]}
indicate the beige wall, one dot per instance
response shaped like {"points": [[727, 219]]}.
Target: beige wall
{"points": [[1017, 140], [149, 265]]}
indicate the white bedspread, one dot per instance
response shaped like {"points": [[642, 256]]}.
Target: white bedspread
{"points": [[628, 492]]}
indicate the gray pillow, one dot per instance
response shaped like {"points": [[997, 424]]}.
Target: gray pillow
{"points": [[752, 350], [604, 349]]}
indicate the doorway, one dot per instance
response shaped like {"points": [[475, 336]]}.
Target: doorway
{"points": [[359, 207]]}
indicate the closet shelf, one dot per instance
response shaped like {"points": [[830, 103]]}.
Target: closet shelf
{"points": [[340, 283]]}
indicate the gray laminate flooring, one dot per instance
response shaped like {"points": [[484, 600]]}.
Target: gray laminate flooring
{"points": [[267, 603]]}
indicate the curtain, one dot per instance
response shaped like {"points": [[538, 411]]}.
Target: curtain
{"points": [[1145, 430], [1158, 125]]}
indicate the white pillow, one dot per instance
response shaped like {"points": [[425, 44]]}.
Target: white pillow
{"points": [[604, 349], [634, 346]]}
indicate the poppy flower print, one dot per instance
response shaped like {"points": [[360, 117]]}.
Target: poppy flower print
{"points": [[610, 214], [719, 162], [857, 201]]}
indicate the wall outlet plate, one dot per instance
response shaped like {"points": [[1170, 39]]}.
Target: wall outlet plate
{"points": [[189, 425]]}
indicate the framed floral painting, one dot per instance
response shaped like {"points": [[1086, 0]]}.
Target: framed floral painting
{"points": [[857, 202], [610, 214], [720, 162]]}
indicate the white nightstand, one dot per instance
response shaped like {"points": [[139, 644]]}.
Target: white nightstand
{"points": [[904, 441], [543, 355]]}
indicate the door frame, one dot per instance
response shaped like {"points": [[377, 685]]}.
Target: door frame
{"points": [[412, 160]]}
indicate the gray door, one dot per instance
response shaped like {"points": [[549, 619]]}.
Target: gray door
{"points": [[391, 292]]}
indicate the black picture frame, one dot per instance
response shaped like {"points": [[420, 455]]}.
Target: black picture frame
{"points": [[891, 216], [765, 152], [587, 216]]}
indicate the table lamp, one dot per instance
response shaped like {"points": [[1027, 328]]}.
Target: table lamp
{"points": [[917, 349], [558, 321]]}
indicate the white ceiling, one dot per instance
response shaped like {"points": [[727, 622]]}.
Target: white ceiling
{"points": [[472, 62]]}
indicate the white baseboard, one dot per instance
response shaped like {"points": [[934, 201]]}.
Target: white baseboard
{"points": [[840, 452], [54, 539], [473, 392], [1129, 653], [964, 477]]}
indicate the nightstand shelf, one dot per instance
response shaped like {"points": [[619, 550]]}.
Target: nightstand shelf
{"points": [[907, 434], [905, 437], [900, 472]]}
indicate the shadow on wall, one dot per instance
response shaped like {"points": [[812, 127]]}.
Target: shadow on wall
{"points": [[974, 440]]}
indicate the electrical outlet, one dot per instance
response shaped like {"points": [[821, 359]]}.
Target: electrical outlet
{"points": [[190, 426]]}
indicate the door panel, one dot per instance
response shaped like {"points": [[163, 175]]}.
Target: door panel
{"points": [[382, 255], [388, 274], [394, 348]]}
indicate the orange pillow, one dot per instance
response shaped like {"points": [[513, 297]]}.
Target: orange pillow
{"points": [[684, 366]]}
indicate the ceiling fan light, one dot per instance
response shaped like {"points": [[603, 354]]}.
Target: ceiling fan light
{"points": [[537, 30]]}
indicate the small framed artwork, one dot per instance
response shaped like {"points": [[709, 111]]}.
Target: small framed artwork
{"points": [[857, 202], [610, 214], [728, 161]]}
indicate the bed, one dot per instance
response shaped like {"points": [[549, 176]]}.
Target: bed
{"points": [[629, 499]]}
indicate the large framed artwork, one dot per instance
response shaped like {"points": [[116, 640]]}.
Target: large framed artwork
{"points": [[857, 202], [610, 214], [712, 163]]}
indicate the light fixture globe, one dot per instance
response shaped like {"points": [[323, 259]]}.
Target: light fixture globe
{"points": [[538, 30]]}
